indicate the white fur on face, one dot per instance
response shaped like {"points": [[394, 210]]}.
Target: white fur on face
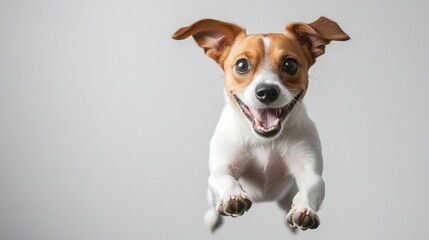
{"points": [[266, 76], [266, 41]]}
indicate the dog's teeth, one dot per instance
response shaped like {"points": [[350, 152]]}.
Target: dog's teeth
{"points": [[280, 111], [276, 123], [258, 123]]}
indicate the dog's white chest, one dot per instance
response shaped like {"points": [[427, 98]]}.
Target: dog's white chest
{"points": [[266, 173]]}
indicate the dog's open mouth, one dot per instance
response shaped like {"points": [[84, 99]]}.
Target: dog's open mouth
{"points": [[267, 121]]}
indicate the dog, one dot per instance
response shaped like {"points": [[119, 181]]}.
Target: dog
{"points": [[265, 147]]}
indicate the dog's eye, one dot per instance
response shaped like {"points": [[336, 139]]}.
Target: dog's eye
{"points": [[242, 66], [290, 66]]}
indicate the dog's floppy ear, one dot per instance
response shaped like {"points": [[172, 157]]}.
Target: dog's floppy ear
{"points": [[215, 37], [316, 35]]}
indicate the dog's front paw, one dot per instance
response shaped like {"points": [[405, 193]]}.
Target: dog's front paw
{"points": [[303, 218], [234, 204]]}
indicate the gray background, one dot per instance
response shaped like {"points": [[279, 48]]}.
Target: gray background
{"points": [[105, 121]]}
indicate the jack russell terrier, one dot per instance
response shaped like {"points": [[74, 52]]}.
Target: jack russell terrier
{"points": [[265, 147]]}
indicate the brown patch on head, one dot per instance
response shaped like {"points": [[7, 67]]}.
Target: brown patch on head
{"points": [[283, 47], [250, 48]]}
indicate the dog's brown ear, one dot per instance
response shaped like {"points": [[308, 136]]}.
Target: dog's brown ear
{"points": [[215, 37], [316, 35]]}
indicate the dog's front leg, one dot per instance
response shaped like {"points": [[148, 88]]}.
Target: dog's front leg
{"points": [[225, 169], [307, 174]]}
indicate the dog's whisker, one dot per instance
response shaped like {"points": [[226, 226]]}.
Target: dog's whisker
{"points": [[216, 80], [320, 81]]}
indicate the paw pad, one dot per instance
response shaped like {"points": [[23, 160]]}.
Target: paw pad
{"points": [[303, 218], [234, 205]]}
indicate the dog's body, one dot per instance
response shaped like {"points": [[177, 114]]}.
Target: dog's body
{"points": [[265, 147]]}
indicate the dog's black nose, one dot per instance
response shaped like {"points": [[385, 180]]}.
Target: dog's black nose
{"points": [[267, 93]]}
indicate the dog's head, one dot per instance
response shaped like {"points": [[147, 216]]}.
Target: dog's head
{"points": [[265, 74]]}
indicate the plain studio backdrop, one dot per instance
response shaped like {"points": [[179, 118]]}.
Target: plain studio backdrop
{"points": [[105, 121]]}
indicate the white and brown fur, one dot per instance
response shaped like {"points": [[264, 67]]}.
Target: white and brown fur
{"points": [[246, 167]]}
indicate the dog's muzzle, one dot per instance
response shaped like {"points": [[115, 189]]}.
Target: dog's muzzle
{"points": [[267, 122]]}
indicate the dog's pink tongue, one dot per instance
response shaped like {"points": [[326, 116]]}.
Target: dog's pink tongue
{"points": [[266, 116]]}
